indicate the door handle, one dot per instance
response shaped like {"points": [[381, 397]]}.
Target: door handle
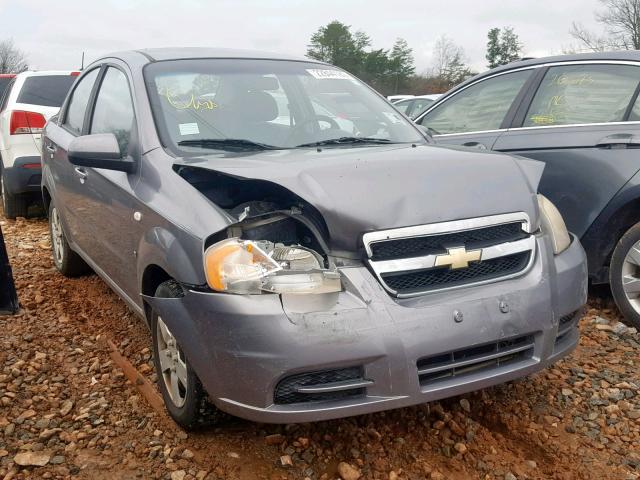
{"points": [[81, 173], [478, 145], [50, 148]]}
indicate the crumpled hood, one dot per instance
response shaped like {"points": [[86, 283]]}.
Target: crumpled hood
{"points": [[372, 188]]}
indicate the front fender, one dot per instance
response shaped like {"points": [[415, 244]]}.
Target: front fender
{"points": [[180, 257]]}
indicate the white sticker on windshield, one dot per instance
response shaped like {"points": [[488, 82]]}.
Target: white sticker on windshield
{"points": [[188, 128], [328, 74]]}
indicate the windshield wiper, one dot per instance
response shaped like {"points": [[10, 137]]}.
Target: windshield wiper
{"points": [[347, 141], [227, 144]]}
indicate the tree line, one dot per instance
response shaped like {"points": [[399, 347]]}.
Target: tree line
{"points": [[392, 71]]}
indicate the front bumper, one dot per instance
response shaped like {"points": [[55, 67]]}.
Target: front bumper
{"points": [[241, 347], [24, 176]]}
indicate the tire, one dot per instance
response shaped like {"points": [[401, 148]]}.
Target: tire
{"points": [[66, 261], [14, 205], [624, 275], [188, 404]]}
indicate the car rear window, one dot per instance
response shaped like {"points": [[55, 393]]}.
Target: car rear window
{"points": [[45, 90]]}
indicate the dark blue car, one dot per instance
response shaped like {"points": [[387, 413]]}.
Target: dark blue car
{"points": [[580, 114]]}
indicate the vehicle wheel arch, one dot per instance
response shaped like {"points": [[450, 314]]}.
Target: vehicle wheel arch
{"points": [[46, 199], [603, 234], [161, 257], [152, 277]]}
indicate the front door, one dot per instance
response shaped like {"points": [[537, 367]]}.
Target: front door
{"points": [[110, 229]]}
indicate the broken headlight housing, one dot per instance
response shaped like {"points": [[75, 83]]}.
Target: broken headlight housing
{"points": [[252, 267], [553, 224]]}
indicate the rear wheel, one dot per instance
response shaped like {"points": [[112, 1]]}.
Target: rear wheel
{"points": [[624, 275], [68, 262], [182, 391], [14, 205]]}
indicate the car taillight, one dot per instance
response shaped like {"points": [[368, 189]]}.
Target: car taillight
{"points": [[74, 74], [26, 122]]}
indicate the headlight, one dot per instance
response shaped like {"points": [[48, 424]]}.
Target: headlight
{"points": [[553, 224], [248, 267]]}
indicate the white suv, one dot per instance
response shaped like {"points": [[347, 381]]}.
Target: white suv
{"points": [[28, 102]]}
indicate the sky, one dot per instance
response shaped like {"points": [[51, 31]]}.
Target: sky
{"points": [[54, 34]]}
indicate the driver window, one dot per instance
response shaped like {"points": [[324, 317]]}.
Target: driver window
{"points": [[113, 112], [479, 107]]}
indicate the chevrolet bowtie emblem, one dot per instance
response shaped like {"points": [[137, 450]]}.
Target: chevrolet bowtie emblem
{"points": [[458, 257]]}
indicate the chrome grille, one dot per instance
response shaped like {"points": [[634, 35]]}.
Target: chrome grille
{"points": [[416, 260], [472, 239], [425, 280]]}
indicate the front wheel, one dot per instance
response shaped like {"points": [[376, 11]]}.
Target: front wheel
{"points": [[181, 389], [624, 275]]}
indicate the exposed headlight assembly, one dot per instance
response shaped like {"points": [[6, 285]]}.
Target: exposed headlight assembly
{"points": [[252, 267], [553, 224]]}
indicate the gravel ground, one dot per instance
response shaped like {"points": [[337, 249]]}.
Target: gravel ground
{"points": [[68, 410]]}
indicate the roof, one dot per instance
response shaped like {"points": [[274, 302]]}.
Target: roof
{"points": [[180, 53], [624, 55]]}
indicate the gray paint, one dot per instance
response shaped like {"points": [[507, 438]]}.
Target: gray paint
{"points": [[356, 189], [260, 338]]}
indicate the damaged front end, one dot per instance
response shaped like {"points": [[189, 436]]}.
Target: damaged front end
{"points": [[278, 244]]}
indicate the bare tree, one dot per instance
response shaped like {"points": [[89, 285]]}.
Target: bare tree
{"points": [[449, 63], [12, 59], [589, 40], [621, 21]]}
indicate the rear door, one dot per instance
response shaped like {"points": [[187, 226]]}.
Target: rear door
{"points": [[583, 121], [60, 175], [476, 115]]}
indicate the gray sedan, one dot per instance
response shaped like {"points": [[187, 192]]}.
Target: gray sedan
{"points": [[291, 270]]}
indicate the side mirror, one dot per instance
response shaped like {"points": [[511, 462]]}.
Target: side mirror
{"points": [[100, 150]]}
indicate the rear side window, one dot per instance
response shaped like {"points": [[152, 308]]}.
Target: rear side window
{"points": [[404, 105], [4, 83], [5, 95], [79, 101], [420, 105], [45, 90], [113, 112], [482, 106], [579, 94]]}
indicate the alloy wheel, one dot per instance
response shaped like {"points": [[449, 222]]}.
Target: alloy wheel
{"points": [[173, 365], [57, 237], [631, 276]]}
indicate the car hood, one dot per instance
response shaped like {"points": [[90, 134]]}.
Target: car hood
{"points": [[364, 189]]}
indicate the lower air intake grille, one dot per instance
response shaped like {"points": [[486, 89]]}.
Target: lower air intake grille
{"points": [[435, 278], [459, 363], [566, 324], [287, 390]]}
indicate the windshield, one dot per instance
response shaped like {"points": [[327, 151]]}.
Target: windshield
{"points": [[283, 104]]}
